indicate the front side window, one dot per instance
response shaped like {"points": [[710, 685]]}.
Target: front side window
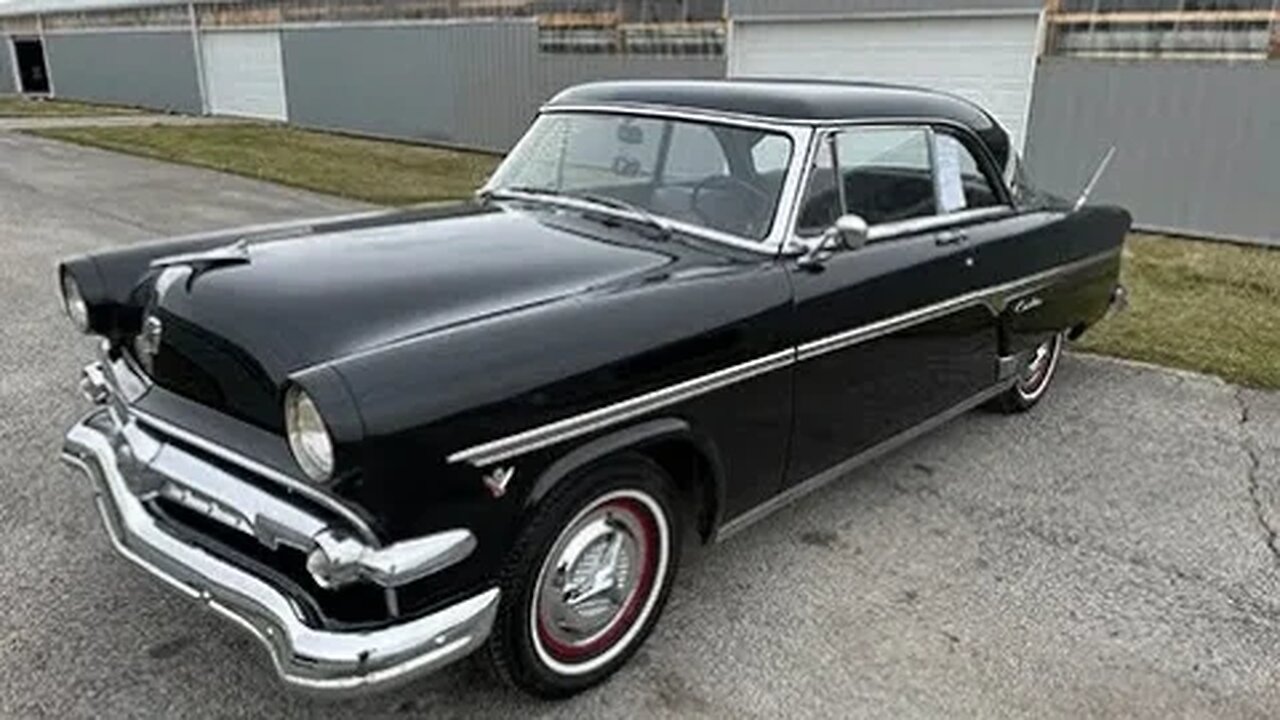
{"points": [[885, 176], [700, 173]]}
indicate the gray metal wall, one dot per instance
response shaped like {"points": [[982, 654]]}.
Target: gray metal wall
{"points": [[799, 8], [474, 84], [1197, 148], [6, 67], [155, 69]]}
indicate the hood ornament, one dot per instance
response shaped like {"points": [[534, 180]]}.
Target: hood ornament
{"points": [[234, 254]]}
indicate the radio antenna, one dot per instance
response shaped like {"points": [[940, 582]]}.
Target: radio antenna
{"points": [[1097, 175]]}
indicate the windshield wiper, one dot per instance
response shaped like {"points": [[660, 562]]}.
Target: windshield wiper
{"points": [[516, 191], [645, 216], [525, 192]]}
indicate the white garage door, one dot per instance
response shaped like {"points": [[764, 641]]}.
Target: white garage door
{"points": [[244, 74], [986, 59]]}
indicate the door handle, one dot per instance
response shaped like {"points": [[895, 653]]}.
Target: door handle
{"points": [[950, 237]]}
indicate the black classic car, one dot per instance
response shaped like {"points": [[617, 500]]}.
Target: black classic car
{"points": [[381, 442]]}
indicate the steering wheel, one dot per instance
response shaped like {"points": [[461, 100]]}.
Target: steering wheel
{"points": [[747, 218]]}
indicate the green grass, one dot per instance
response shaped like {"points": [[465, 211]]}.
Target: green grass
{"points": [[1204, 306], [388, 173], [13, 106]]}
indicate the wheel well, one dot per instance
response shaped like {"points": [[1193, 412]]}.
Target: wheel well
{"points": [[694, 477]]}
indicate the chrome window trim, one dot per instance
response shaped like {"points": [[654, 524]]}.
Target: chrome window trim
{"points": [[800, 135], [759, 122], [886, 231], [994, 297]]}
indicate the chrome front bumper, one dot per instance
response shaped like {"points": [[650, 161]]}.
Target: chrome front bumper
{"points": [[317, 661]]}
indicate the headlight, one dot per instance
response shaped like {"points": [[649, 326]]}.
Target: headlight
{"points": [[308, 437], [73, 300]]}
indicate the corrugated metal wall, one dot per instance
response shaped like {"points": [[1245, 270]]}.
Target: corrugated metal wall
{"points": [[466, 83], [155, 69], [755, 8], [1197, 149], [6, 66]]}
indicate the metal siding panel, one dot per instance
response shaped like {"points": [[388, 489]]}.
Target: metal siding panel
{"points": [[800, 8], [505, 78], [467, 83], [497, 94], [6, 66], [1196, 142], [986, 59], [147, 69], [244, 73], [393, 81]]}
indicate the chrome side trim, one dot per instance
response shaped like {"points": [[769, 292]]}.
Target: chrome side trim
{"points": [[839, 470], [995, 298], [578, 425], [880, 328], [330, 663]]}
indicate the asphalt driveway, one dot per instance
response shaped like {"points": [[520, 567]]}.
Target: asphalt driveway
{"points": [[1110, 554]]}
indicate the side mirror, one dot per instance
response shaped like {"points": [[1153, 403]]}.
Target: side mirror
{"points": [[848, 233], [851, 230]]}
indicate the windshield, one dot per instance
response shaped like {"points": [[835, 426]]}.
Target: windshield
{"points": [[712, 176]]}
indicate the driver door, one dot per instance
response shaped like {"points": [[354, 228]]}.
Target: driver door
{"points": [[886, 338]]}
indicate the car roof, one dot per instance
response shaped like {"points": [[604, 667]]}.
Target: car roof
{"points": [[797, 101]]}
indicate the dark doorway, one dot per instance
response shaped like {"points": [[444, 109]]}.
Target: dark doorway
{"points": [[29, 53]]}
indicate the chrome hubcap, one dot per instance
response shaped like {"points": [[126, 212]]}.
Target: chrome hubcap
{"points": [[592, 579], [1038, 369], [598, 579]]}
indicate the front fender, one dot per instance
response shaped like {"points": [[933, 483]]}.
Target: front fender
{"points": [[674, 433]]}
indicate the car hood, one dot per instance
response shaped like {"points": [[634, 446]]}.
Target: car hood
{"points": [[298, 302]]}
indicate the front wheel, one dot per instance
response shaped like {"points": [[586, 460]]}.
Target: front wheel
{"points": [[586, 580], [1034, 378]]}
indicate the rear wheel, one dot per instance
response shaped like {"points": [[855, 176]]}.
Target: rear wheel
{"points": [[1034, 379], [587, 579]]}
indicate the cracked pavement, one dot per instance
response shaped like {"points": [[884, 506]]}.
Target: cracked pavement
{"points": [[1111, 554]]}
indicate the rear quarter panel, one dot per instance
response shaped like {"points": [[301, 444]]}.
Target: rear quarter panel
{"points": [[1073, 262]]}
